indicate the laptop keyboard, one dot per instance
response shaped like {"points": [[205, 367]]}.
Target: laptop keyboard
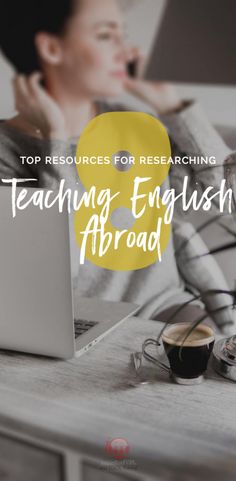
{"points": [[82, 326]]}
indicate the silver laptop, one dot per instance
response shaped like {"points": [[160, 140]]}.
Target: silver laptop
{"points": [[37, 314]]}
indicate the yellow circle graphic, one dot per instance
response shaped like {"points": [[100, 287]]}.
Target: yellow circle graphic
{"points": [[143, 137]]}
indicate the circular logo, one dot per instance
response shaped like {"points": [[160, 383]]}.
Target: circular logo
{"points": [[117, 448]]}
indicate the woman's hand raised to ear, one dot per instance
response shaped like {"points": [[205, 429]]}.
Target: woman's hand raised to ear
{"points": [[161, 96], [37, 108]]}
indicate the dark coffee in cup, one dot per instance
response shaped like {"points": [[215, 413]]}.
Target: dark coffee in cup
{"points": [[188, 353]]}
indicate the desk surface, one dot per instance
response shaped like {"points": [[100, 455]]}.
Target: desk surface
{"points": [[88, 400]]}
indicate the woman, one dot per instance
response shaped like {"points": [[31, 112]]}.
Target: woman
{"points": [[70, 55]]}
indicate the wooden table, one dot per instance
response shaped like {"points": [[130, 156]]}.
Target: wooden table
{"points": [[66, 411]]}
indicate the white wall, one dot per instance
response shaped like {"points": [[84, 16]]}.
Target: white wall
{"points": [[218, 102]]}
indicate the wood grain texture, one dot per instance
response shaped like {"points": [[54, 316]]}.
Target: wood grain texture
{"points": [[172, 430]]}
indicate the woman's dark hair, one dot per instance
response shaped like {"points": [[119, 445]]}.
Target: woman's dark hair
{"points": [[20, 20]]}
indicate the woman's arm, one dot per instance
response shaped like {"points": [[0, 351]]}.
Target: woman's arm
{"points": [[10, 166], [191, 133], [194, 136]]}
